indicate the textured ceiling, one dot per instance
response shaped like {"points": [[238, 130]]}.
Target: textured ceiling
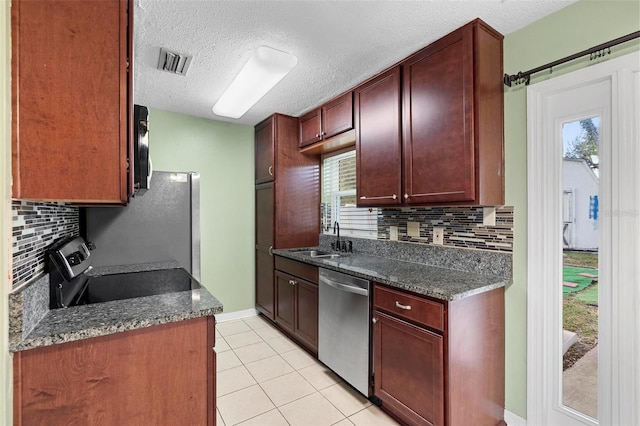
{"points": [[338, 44]]}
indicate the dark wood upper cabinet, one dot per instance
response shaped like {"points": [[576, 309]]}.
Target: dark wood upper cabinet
{"points": [[264, 152], [337, 115], [452, 119], [444, 145], [311, 128], [378, 140], [331, 119], [71, 100]]}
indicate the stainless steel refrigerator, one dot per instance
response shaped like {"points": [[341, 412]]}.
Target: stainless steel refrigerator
{"points": [[161, 225]]}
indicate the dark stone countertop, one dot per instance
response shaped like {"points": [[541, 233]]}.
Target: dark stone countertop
{"points": [[99, 319], [440, 283]]}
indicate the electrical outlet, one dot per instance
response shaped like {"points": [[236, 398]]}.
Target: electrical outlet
{"points": [[489, 216], [413, 229], [393, 233], [438, 236]]}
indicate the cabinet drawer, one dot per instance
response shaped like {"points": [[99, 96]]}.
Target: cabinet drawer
{"points": [[298, 269], [414, 308]]}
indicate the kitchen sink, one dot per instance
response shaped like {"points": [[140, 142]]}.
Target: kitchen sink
{"points": [[318, 254]]}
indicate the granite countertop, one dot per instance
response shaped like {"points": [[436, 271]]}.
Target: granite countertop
{"points": [[99, 319], [437, 282]]}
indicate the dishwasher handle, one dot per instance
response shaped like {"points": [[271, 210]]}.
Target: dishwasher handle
{"points": [[344, 287]]}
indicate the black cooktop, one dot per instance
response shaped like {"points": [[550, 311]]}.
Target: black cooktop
{"points": [[107, 288]]}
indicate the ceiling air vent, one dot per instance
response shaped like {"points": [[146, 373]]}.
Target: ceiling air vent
{"points": [[175, 63]]}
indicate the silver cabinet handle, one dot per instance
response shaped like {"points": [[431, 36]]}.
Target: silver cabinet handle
{"points": [[293, 282], [401, 306], [270, 170], [393, 197], [406, 196], [374, 320], [270, 250], [317, 135]]}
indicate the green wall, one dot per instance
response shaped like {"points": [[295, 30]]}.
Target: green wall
{"points": [[575, 28], [5, 178], [223, 155]]}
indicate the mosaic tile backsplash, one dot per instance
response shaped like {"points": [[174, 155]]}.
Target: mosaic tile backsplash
{"points": [[35, 227], [463, 226]]}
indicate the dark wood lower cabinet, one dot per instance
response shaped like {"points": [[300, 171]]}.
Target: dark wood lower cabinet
{"points": [[408, 361], [265, 292], [286, 300], [439, 362], [306, 327], [160, 375], [296, 310]]}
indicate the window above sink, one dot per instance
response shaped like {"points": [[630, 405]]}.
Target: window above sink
{"points": [[339, 199]]}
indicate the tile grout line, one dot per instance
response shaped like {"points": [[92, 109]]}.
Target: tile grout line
{"points": [[295, 370], [316, 362]]}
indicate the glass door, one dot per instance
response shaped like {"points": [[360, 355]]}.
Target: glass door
{"points": [[580, 226], [583, 246]]}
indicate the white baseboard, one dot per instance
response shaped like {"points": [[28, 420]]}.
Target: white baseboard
{"points": [[513, 419], [229, 316]]}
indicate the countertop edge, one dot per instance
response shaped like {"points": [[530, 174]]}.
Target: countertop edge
{"points": [[497, 282], [27, 343]]}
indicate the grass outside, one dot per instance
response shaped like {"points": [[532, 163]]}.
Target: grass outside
{"points": [[581, 318], [580, 308], [582, 259]]}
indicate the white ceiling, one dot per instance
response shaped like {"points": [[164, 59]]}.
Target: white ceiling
{"points": [[338, 44]]}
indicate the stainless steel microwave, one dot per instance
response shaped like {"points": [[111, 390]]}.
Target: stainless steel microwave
{"points": [[142, 167]]}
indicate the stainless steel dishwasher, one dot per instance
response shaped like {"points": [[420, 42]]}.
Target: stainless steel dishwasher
{"points": [[343, 327]]}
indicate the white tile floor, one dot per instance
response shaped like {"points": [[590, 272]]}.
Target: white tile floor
{"points": [[265, 379]]}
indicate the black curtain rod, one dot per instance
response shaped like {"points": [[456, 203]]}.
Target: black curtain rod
{"points": [[595, 52]]}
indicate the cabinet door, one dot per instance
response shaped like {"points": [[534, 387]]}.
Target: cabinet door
{"points": [[265, 151], [438, 142], [306, 321], [310, 128], [285, 301], [160, 375], [70, 109], [264, 244], [265, 293], [409, 370], [337, 116], [378, 140]]}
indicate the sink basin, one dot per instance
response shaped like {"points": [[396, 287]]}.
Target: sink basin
{"points": [[319, 254]]}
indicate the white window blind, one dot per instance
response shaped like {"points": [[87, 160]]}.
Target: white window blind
{"points": [[339, 199]]}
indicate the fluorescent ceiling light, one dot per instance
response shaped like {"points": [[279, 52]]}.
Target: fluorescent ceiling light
{"points": [[264, 70]]}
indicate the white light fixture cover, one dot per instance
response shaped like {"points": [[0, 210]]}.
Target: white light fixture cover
{"points": [[264, 70]]}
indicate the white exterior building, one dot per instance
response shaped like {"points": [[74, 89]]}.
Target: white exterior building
{"points": [[580, 205]]}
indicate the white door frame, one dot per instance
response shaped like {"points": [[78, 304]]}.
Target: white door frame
{"points": [[619, 250]]}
